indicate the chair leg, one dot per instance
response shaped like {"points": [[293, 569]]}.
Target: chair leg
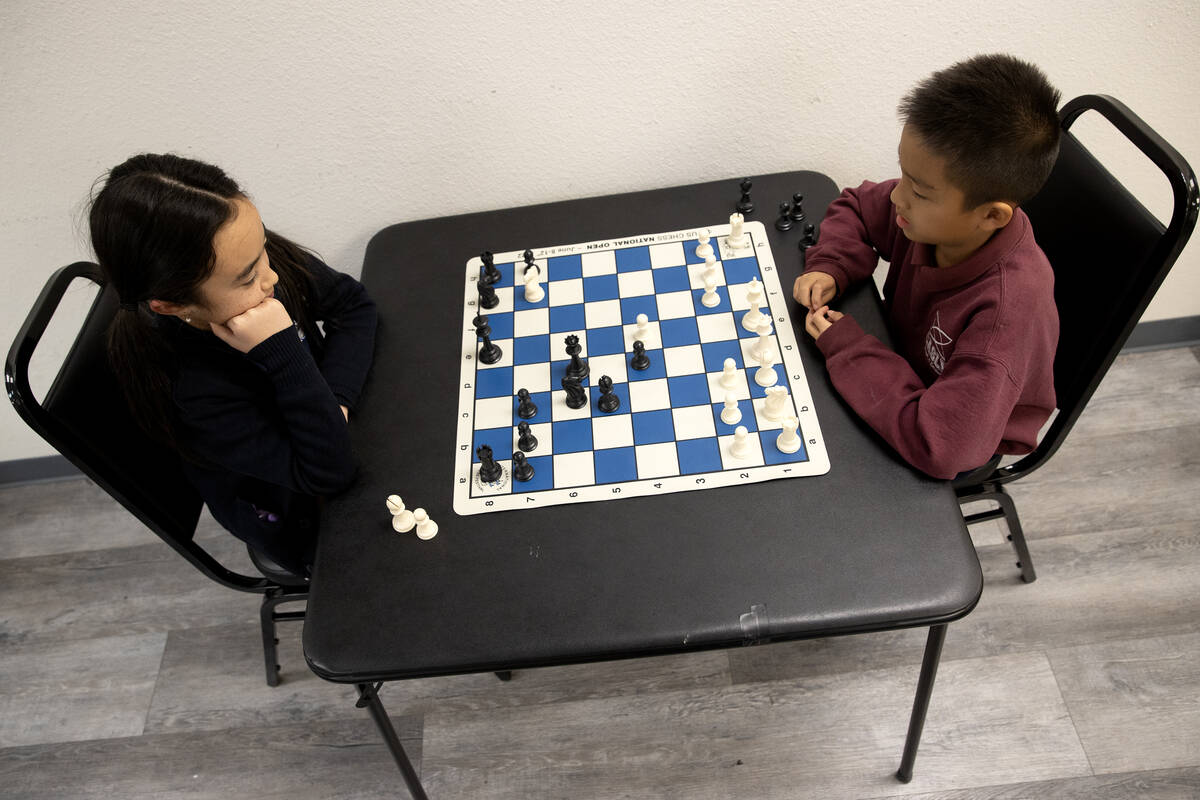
{"points": [[1016, 534], [268, 616]]}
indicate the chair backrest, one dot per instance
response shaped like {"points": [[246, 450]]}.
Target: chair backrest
{"points": [[84, 416], [1109, 256]]}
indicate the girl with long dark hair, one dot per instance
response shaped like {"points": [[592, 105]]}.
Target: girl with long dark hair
{"points": [[217, 347]]}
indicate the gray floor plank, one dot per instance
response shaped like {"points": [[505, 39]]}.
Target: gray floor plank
{"points": [[1135, 703], [338, 759], [81, 689], [111, 592], [836, 736], [1167, 784], [1145, 391]]}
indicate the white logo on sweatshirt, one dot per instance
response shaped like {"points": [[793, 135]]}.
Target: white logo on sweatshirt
{"points": [[935, 343]]}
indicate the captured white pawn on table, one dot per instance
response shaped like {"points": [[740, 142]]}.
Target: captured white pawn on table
{"points": [[402, 519]]}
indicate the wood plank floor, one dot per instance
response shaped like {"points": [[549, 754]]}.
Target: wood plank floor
{"points": [[127, 675]]}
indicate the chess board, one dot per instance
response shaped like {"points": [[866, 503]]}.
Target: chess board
{"points": [[667, 435]]}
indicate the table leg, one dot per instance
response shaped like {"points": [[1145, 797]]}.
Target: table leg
{"points": [[368, 697], [929, 665]]}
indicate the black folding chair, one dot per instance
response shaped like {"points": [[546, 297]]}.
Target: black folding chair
{"points": [[84, 417], [1109, 256]]}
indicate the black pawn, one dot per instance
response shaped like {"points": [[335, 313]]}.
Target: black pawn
{"points": [[745, 205], [640, 360], [576, 394], [487, 292], [526, 408], [578, 368], [522, 470], [797, 207], [784, 223], [489, 470], [489, 266], [490, 353], [810, 236], [526, 440], [608, 402]]}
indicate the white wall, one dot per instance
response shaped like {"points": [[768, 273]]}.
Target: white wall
{"points": [[342, 119]]}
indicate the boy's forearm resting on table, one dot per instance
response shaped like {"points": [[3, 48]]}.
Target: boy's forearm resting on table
{"points": [[951, 426]]}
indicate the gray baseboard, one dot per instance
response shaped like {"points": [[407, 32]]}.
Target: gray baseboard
{"points": [[36, 470], [1156, 335], [1163, 333]]}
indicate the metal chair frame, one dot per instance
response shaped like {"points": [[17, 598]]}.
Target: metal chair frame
{"points": [[172, 511], [1083, 247]]}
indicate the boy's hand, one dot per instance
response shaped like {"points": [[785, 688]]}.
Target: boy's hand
{"points": [[814, 289], [819, 320], [253, 326]]}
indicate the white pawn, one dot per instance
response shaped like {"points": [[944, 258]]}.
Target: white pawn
{"points": [[731, 414], [754, 296], [426, 528], [788, 441], [704, 249], [729, 375], [763, 345], [766, 375], [643, 328], [710, 297], [736, 238], [402, 518], [533, 288], [775, 408], [741, 442]]}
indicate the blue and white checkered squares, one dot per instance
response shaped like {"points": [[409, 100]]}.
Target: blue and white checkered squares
{"points": [[667, 426]]}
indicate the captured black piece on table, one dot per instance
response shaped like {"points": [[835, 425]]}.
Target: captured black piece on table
{"points": [[745, 205]]}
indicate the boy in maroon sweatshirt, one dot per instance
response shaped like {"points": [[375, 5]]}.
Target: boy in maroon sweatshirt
{"points": [[969, 294]]}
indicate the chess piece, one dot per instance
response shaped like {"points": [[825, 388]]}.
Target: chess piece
{"points": [[578, 368], [784, 223], [489, 470], [525, 438], [776, 406], [643, 328], [640, 360], [740, 447], [737, 237], [608, 402], [490, 352], [729, 375], [576, 394], [745, 205], [766, 375], [521, 468], [763, 345], [526, 408], [402, 518], [797, 207], [489, 267], [426, 528], [731, 414], [710, 298], [809, 238], [788, 441], [533, 287], [704, 249], [754, 296], [487, 292]]}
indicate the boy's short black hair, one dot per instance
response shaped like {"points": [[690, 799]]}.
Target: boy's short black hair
{"points": [[994, 118]]}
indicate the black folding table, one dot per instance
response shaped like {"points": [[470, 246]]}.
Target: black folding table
{"points": [[870, 546]]}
